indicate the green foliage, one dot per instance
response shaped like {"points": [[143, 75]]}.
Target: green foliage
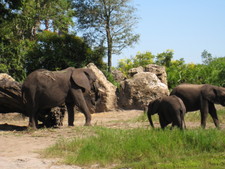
{"points": [[211, 72], [206, 57], [144, 148], [216, 71], [12, 57], [55, 52], [164, 59], [141, 59], [110, 77], [125, 65]]}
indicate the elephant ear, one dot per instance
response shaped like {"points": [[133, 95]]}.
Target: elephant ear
{"points": [[81, 79], [154, 106], [90, 74], [210, 93]]}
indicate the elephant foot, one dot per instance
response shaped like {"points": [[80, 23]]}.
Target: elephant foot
{"points": [[32, 126], [71, 125], [87, 124]]}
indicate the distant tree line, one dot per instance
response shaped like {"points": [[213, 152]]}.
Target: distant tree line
{"points": [[211, 71]]}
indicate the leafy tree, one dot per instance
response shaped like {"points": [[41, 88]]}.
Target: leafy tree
{"points": [[108, 23], [141, 59], [54, 52], [206, 57], [12, 58], [164, 58], [174, 72], [20, 21], [54, 15], [8, 8], [216, 73], [125, 65]]}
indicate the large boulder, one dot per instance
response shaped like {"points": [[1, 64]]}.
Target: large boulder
{"points": [[137, 92], [118, 75], [108, 98], [136, 70], [10, 95], [159, 71]]}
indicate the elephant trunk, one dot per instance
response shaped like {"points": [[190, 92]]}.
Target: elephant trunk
{"points": [[150, 118]]}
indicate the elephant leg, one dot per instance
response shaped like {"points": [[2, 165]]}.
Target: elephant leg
{"points": [[178, 120], [33, 122], [212, 112], [70, 109], [81, 104], [162, 121], [32, 110], [204, 110]]}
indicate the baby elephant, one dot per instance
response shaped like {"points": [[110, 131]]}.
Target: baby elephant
{"points": [[170, 109]]}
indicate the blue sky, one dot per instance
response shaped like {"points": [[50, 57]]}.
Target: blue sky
{"points": [[186, 26]]}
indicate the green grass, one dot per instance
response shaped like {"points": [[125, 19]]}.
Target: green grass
{"points": [[195, 116], [144, 148]]}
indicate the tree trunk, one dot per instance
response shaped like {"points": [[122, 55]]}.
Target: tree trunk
{"points": [[10, 97], [109, 56], [109, 42]]}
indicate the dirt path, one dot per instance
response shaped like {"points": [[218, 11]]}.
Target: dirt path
{"points": [[19, 147]]}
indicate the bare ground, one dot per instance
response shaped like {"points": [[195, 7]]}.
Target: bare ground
{"points": [[19, 146]]}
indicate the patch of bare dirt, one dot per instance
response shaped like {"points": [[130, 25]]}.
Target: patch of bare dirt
{"points": [[19, 146]]}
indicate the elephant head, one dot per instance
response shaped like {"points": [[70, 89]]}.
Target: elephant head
{"points": [[214, 94], [220, 95], [153, 108], [87, 80]]}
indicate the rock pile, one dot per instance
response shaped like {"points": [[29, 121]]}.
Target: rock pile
{"points": [[145, 85]]}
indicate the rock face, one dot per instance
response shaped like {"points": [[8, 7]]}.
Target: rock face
{"points": [[118, 75], [159, 71], [143, 87], [10, 95], [108, 98], [134, 71]]}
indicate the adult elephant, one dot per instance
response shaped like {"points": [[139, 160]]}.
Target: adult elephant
{"points": [[170, 109], [44, 89], [201, 97]]}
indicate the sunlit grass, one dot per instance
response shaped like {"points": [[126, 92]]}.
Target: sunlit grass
{"points": [[144, 148]]}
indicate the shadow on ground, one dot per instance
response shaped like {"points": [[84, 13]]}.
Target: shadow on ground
{"points": [[8, 127]]}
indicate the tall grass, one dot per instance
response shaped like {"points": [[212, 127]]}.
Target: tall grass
{"points": [[144, 148]]}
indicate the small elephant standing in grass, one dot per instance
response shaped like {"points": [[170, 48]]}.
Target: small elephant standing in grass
{"points": [[201, 97], [170, 109], [45, 89]]}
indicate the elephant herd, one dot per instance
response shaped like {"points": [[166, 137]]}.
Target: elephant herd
{"points": [[45, 89], [185, 98]]}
